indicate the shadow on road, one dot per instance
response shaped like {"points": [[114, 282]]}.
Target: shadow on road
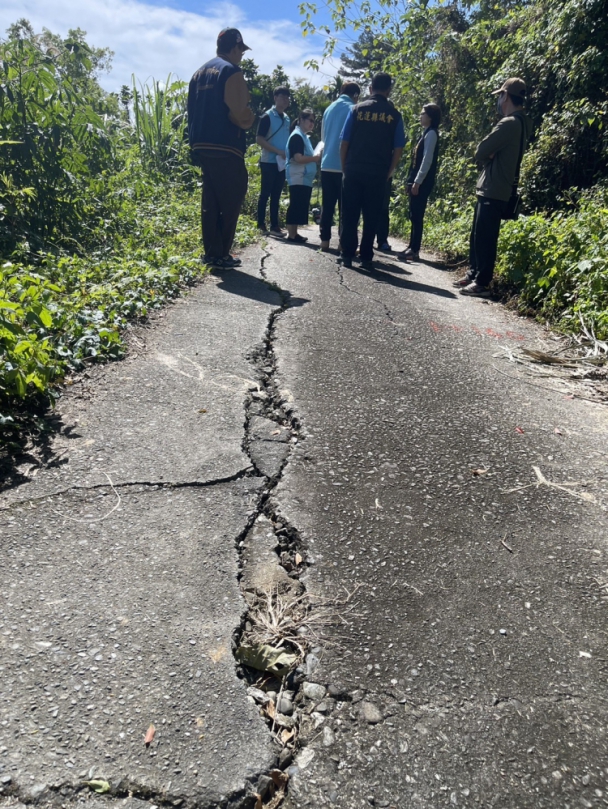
{"points": [[381, 274], [241, 283]]}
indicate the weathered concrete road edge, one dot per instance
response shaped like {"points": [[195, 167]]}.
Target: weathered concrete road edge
{"points": [[119, 568]]}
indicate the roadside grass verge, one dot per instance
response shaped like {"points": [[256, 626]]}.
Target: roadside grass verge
{"points": [[59, 312], [557, 264]]}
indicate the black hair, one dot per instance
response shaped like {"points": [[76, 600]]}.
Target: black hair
{"points": [[382, 82], [304, 114], [434, 113], [350, 88], [281, 91]]}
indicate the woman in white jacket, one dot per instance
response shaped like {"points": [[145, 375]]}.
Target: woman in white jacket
{"points": [[300, 171]]}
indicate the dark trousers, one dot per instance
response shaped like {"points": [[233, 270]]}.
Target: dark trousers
{"points": [[224, 188], [331, 188], [417, 211], [384, 216], [484, 239], [273, 181], [361, 194]]}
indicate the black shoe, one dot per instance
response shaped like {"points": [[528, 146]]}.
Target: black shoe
{"points": [[368, 264], [231, 261], [475, 290], [277, 232], [346, 262], [214, 261], [462, 282], [297, 239]]}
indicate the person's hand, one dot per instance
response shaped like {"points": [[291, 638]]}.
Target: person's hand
{"points": [[415, 189], [317, 157], [282, 154]]}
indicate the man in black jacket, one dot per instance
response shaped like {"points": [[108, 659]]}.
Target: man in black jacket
{"points": [[372, 142], [218, 114]]}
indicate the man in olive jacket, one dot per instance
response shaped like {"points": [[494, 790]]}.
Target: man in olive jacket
{"points": [[218, 115], [499, 154]]}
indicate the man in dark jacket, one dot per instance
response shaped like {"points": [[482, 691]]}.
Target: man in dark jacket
{"points": [[372, 142], [218, 114], [500, 154]]}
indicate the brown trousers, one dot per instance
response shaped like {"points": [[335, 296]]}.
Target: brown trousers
{"points": [[224, 188]]}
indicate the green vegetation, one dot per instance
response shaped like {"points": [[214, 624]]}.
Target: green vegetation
{"points": [[455, 54], [99, 214]]}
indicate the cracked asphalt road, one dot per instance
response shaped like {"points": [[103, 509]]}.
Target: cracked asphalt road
{"points": [[468, 667], [479, 627]]}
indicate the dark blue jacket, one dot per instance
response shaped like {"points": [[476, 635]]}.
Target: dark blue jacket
{"points": [[209, 127]]}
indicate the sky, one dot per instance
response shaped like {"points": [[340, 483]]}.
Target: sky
{"points": [[152, 38]]}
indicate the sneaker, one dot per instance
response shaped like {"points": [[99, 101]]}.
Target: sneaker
{"points": [[231, 261], [385, 248], [297, 239], [462, 282], [213, 261], [475, 290], [345, 261], [277, 232], [409, 255]]}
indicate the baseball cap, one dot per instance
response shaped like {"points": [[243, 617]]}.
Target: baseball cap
{"points": [[228, 38], [514, 86]]}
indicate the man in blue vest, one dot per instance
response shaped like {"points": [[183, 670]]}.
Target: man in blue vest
{"points": [[218, 115], [272, 136], [372, 142], [331, 168]]}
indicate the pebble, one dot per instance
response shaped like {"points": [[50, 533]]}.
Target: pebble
{"points": [[285, 706], [371, 713], [36, 790], [312, 663], [328, 736], [503, 631], [313, 691], [258, 695], [338, 692], [285, 758]]}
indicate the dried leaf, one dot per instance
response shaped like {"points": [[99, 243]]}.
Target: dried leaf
{"points": [[149, 737], [519, 430], [258, 801], [279, 777], [270, 709], [299, 559], [202, 411], [286, 735]]}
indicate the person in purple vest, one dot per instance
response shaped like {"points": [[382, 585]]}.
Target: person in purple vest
{"points": [[218, 115]]}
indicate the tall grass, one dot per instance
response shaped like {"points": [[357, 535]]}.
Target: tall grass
{"points": [[160, 122]]}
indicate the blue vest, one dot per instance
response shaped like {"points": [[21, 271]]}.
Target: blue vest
{"points": [[298, 173], [209, 127], [278, 135]]}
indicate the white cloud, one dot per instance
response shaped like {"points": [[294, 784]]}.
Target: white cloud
{"points": [[153, 41]]}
